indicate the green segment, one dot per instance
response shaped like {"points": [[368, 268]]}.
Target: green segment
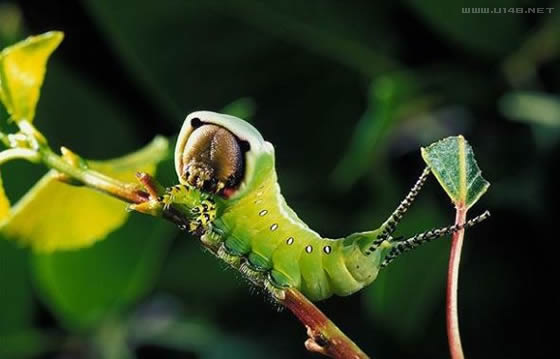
{"points": [[452, 162], [341, 280], [259, 262], [315, 284]]}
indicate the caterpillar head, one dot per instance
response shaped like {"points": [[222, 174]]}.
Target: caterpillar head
{"points": [[221, 154]]}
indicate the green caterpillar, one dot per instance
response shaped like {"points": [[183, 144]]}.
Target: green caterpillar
{"points": [[229, 188]]}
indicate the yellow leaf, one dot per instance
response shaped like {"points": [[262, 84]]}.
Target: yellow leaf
{"points": [[22, 70], [4, 203], [56, 216]]}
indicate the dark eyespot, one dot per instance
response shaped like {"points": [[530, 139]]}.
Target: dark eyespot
{"points": [[196, 123], [244, 146]]}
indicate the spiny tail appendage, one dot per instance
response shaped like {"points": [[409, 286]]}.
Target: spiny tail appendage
{"points": [[402, 246], [381, 239]]}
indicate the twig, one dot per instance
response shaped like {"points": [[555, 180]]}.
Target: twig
{"points": [[324, 336], [93, 179], [453, 335]]}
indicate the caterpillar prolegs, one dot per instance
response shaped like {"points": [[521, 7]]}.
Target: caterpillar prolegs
{"points": [[229, 186]]}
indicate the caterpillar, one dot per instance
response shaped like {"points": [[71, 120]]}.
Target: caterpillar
{"points": [[229, 187]]}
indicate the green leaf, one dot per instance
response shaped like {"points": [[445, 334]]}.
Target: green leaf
{"points": [[532, 107], [387, 96], [244, 108], [452, 162], [539, 110], [22, 70], [82, 216], [16, 304], [10, 23], [28, 343], [84, 287]]}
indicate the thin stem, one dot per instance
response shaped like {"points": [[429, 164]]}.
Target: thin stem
{"points": [[93, 179], [19, 153], [453, 335], [324, 336]]}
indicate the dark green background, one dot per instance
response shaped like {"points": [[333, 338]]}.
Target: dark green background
{"points": [[347, 92]]}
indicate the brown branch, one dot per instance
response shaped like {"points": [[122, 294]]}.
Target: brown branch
{"points": [[324, 336]]}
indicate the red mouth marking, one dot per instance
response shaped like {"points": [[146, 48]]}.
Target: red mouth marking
{"points": [[228, 192]]}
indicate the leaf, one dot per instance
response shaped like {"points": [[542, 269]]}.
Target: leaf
{"points": [[22, 70], [387, 95], [4, 202], [243, 108], [83, 287], [28, 343], [452, 162], [81, 216], [10, 23], [16, 304], [532, 107]]}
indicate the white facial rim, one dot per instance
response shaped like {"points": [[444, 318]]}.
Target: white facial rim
{"points": [[240, 128]]}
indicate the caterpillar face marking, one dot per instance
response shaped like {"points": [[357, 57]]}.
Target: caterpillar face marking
{"points": [[218, 153], [251, 227], [212, 159]]}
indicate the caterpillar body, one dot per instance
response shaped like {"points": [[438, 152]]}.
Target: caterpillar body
{"points": [[229, 185]]}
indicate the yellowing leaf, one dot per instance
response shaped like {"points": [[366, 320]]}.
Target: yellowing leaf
{"points": [[4, 202], [56, 216], [22, 70]]}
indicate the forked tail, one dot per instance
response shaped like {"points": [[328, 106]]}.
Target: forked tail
{"points": [[371, 241]]}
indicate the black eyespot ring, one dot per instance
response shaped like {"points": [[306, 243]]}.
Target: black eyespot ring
{"points": [[244, 146], [196, 122]]}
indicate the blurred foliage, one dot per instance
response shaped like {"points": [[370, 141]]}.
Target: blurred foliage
{"points": [[347, 93]]}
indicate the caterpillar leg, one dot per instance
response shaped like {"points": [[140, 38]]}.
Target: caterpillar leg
{"points": [[201, 209], [403, 246], [204, 214], [389, 226]]}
